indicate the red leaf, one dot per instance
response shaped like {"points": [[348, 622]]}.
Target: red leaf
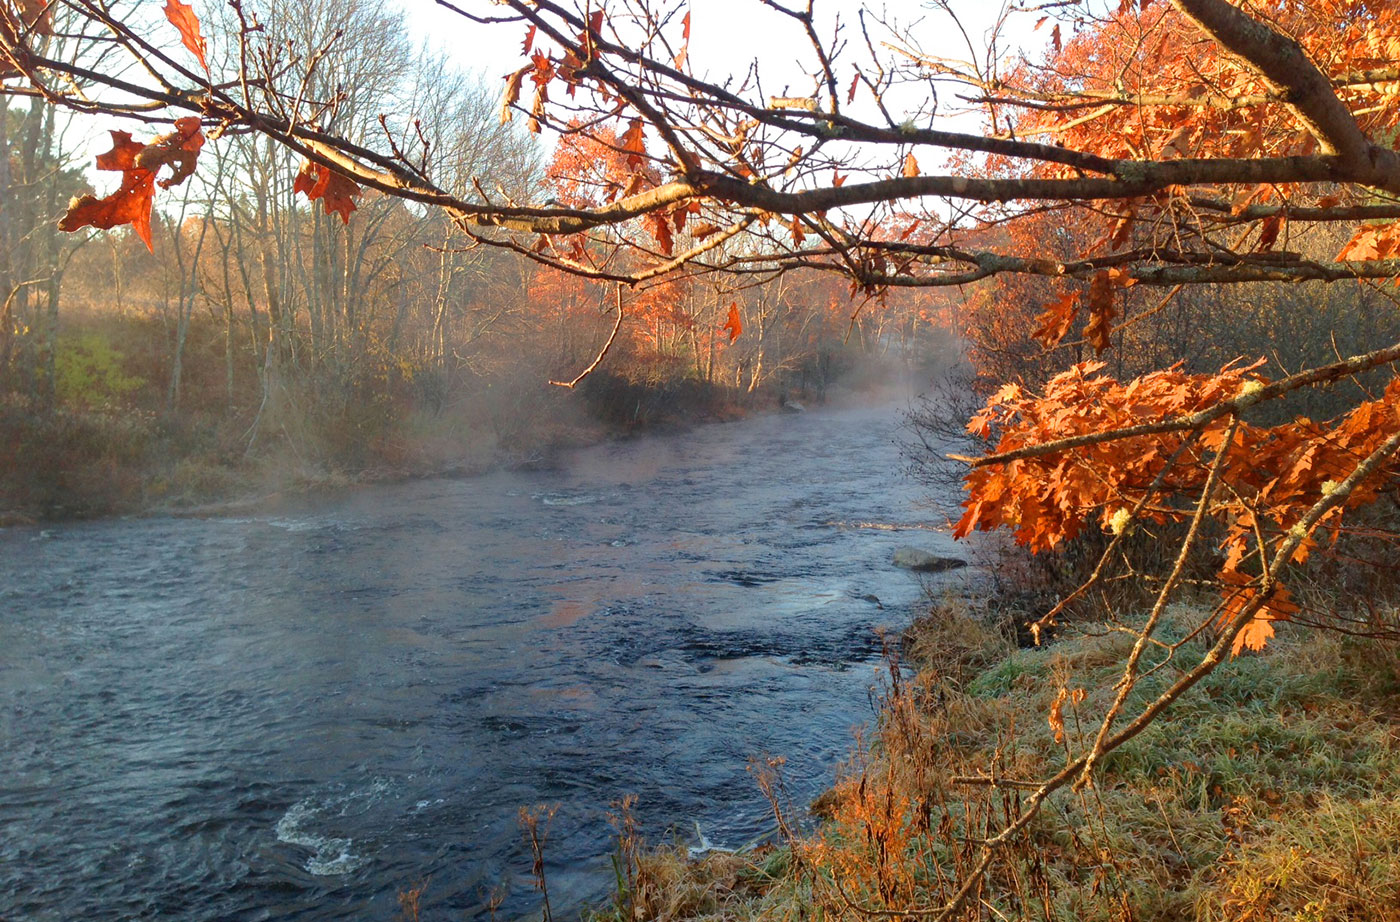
{"points": [[1268, 231], [660, 229], [182, 17], [138, 163], [336, 192], [734, 325], [178, 150], [529, 41], [851, 93], [130, 204]]}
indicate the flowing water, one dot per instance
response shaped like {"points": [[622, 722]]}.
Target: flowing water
{"points": [[298, 715]]}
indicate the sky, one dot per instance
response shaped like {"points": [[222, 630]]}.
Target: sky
{"points": [[727, 35]]}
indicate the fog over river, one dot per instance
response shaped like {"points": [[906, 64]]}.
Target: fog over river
{"points": [[297, 714]]}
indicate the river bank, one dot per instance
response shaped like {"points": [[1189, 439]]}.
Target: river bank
{"points": [[1271, 793], [93, 463]]}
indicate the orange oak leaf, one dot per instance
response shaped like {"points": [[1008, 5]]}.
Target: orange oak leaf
{"points": [[1101, 312], [1056, 320], [634, 144], [182, 17], [336, 192], [733, 324], [685, 42], [911, 166], [138, 163], [660, 229], [130, 204]]}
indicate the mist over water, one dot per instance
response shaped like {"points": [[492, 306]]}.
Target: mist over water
{"points": [[296, 715]]}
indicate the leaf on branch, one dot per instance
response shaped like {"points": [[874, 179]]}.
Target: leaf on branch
{"points": [[685, 42], [660, 228], [529, 42], [1374, 241], [1055, 39], [733, 324], [182, 17], [1054, 323], [911, 166], [1101, 312], [130, 204], [512, 93], [336, 193], [855, 82], [706, 229], [138, 163], [1268, 231], [634, 144], [34, 15], [30, 16], [178, 150]]}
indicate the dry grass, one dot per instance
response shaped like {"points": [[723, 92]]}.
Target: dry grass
{"points": [[1269, 794]]}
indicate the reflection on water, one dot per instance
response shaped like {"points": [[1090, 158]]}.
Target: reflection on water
{"points": [[296, 715]]}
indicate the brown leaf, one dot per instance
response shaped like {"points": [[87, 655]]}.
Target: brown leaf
{"points": [[138, 163], [701, 231], [178, 150], [336, 193], [1055, 39], [660, 229], [911, 166], [182, 17], [529, 42], [851, 93], [512, 93], [1101, 311]]}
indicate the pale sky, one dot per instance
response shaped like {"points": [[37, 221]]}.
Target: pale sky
{"points": [[727, 35]]}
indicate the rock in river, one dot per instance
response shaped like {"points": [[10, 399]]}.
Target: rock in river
{"points": [[912, 558]]}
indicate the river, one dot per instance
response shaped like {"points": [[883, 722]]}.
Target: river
{"points": [[298, 714]]}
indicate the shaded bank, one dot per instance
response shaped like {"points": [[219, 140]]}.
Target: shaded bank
{"points": [[71, 464]]}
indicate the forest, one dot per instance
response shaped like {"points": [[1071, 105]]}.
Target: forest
{"points": [[250, 341], [1142, 254]]}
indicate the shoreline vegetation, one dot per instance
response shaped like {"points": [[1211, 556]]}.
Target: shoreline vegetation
{"points": [[1273, 794], [87, 464]]}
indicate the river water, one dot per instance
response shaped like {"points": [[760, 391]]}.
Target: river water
{"points": [[297, 715]]}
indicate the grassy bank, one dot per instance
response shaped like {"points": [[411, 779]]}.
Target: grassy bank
{"points": [[1272, 792], [95, 460]]}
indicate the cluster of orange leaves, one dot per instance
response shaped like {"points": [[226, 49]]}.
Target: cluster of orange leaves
{"points": [[1269, 478], [1204, 103]]}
